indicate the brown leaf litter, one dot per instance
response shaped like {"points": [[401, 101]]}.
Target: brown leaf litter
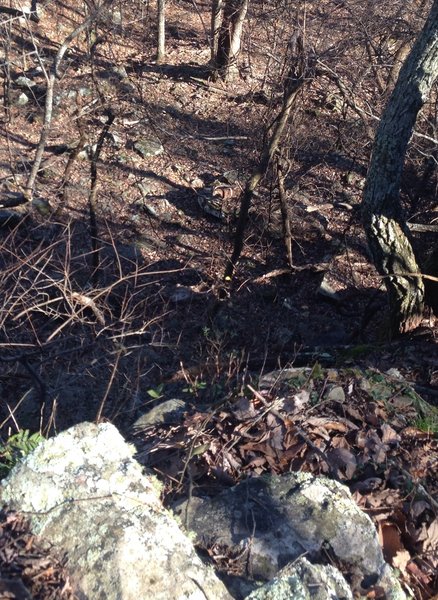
{"points": [[363, 428]]}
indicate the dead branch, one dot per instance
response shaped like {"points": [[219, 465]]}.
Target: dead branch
{"points": [[287, 235], [298, 76], [48, 108]]}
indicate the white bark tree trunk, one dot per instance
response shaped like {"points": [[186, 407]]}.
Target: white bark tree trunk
{"points": [[161, 30], [217, 11], [229, 36]]}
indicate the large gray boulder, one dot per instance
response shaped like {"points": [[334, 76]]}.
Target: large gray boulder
{"points": [[84, 492], [277, 519]]}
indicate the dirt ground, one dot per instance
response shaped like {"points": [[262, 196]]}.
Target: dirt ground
{"points": [[156, 318]]}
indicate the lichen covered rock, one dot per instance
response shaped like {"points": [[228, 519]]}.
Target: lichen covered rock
{"points": [[84, 492], [280, 518]]}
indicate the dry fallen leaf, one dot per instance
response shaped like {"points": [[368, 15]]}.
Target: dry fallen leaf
{"points": [[389, 435], [401, 560], [390, 540]]}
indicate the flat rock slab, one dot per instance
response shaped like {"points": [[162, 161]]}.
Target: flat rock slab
{"points": [[301, 580]]}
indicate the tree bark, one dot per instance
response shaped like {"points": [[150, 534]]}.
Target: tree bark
{"points": [[388, 236], [161, 30], [216, 21], [229, 36]]}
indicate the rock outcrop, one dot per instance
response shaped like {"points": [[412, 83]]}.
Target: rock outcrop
{"points": [[280, 518], [84, 492]]}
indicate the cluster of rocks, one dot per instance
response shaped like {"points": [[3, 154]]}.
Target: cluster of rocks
{"points": [[84, 492]]}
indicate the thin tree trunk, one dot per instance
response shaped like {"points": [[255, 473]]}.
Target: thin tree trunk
{"points": [[294, 82], [48, 108], [236, 30], [229, 36], [388, 236], [161, 36], [216, 22], [287, 234], [95, 244], [399, 57]]}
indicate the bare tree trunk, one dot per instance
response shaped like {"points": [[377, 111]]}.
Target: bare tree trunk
{"points": [[229, 36], [388, 236], [161, 35], [287, 234], [237, 28], [399, 58], [95, 244], [216, 22], [297, 77]]}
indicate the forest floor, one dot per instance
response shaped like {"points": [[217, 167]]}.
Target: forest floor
{"points": [[156, 320]]}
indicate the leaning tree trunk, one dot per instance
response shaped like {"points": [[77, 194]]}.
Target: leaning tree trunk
{"points": [[388, 236], [229, 36], [300, 73]]}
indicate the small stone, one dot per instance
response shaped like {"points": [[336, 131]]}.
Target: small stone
{"points": [[147, 185], [115, 139], [81, 92], [116, 17], [168, 412], [197, 182], [42, 206], [150, 210], [24, 82], [148, 147], [181, 294], [231, 177], [120, 72], [87, 152], [326, 290], [22, 100], [85, 91], [336, 394]]}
